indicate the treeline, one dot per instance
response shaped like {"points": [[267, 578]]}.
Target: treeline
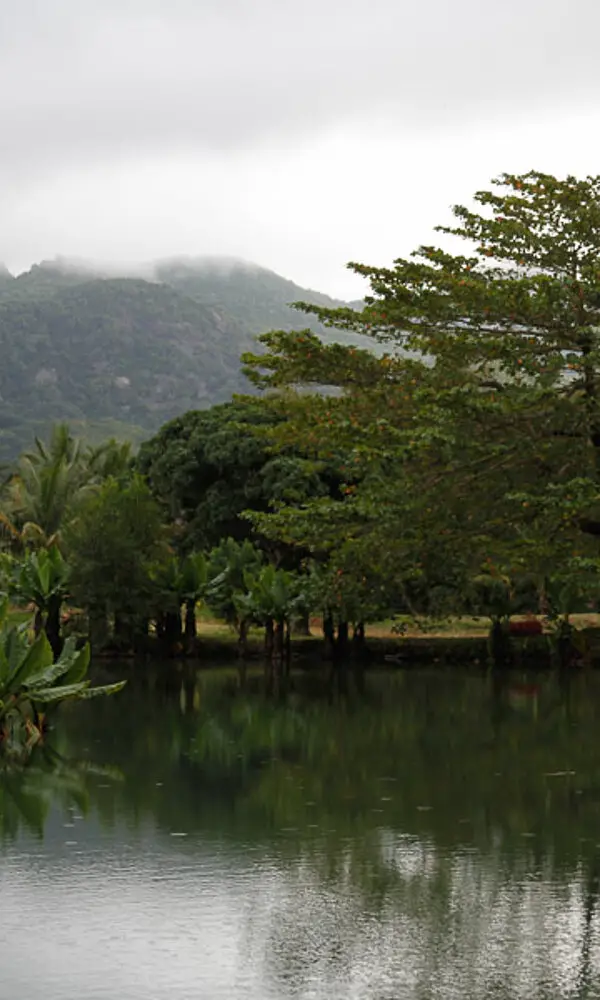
{"points": [[123, 549], [453, 469]]}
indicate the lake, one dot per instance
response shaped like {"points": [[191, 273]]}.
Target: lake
{"points": [[401, 835]]}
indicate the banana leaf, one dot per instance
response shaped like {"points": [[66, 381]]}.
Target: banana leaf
{"points": [[80, 691]]}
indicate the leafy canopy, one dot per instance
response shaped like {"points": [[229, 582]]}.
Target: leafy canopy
{"points": [[475, 439]]}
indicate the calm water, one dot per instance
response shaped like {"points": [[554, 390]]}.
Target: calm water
{"points": [[421, 836]]}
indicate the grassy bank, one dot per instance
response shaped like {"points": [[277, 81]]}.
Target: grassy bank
{"points": [[402, 643]]}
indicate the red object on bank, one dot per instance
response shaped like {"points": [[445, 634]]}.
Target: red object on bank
{"points": [[531, 626]]}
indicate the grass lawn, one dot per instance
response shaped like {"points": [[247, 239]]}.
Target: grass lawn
{"points": [[459, 627], [16, 616], [458, 639]]}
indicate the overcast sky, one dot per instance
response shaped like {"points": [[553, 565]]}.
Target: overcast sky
{"points": [[296, 134]]}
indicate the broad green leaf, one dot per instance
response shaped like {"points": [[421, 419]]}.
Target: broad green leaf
{"points": [[58, 693], [47, 677], [105, 689], [44, 569], [37, 659], [72, 665], [79, 665], [80, 692], [4, 667]]}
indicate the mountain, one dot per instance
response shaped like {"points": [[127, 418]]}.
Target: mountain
{"points": [[257, 298], [120, 355], [6, 279]]}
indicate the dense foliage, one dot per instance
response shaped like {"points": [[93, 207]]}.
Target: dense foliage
{"points": [[477, 434], [209, 467], [454, 468], [32, 679]]}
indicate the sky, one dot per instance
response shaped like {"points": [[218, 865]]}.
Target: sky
{"points": [[298, 135]]}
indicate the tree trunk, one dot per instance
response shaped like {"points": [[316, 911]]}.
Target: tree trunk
{"points": [[159, 625], [121, 630], [279, 645], [243, 639], [499, 645], [38, 622], [269, 640], [53, 625], [302, 625], [341, 645], [565, 651], [172, 633], [191, 630], [288, 649], [328, 635], [358, 637], [98, 628], [140, 636]]}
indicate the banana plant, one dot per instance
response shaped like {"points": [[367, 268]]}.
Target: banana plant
{"points": [[179, 581], [194, 578], [227, 565], [271, 593], [32, 680], [8, 564], [272, 597], [166, 577], [41, 578]]}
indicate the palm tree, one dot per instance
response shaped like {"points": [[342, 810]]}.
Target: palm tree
{"points": [[47, 481], [41, 489], [111, 458]]}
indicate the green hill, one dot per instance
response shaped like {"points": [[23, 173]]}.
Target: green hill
{"points": [[257, 298], [123, 355]]}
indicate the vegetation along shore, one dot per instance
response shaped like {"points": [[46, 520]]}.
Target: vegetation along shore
{"points": [[413, 478]]}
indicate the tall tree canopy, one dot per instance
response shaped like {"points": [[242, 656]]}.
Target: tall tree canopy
{"points": [[115, 540], [209, 466], [477, 433]]}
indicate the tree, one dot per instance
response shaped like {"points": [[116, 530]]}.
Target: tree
{"points": [[41, 578], [114, 541], [228, 566], [271, 598], [194, 579], [112, 459], [478, 431], [165, 575], [38, 497], [42, 488], [209, 467]]}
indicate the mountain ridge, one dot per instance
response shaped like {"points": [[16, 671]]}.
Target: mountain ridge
{"points": [[128, 353]]}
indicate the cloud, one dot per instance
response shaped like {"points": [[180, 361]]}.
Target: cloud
{"points": [[86, 80], [303, 209], [296, 135]]}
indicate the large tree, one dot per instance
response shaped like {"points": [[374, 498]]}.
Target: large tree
{"points": [[114, 542], [208, 467], [478, 431]]}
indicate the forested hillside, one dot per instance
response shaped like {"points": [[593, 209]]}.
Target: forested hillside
{"points": [[123, 355], [258, 298]]}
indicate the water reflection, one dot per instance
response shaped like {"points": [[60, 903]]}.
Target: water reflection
{"points": [[31, 787], [410, 835]]}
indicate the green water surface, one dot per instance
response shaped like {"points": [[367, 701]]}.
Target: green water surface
{"points": [[401, 835]]}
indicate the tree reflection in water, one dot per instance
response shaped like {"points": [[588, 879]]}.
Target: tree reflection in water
{"points": [[428, 832]]}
